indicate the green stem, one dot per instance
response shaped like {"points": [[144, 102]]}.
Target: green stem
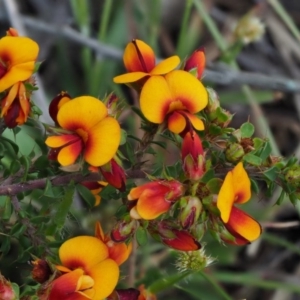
{"points": [[183, 28], [107, 8], [210, 25], [217, 287], [285, 17]]}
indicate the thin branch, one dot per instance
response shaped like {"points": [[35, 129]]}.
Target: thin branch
{"points": [[216, 74]]}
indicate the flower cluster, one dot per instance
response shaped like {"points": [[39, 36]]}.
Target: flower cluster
{"points": [[180, 211]]}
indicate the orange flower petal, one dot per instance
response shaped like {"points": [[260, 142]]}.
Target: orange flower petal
{"points": [[119, 252], [176, 122], [138, 57], [68, 154], [97, 200], [8, 100], [196, 122], [136, 192], [188, 89], [99, 232], [76, 252], [166, 66], [130, 77], [64, 287], [61, 140], [155, 99], [20, 54], [105, 275], [82, 112], [103, 141], [226, 197], [241, 224], [150, 205], [242, 184]]}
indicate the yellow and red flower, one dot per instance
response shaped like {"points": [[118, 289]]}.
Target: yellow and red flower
{"points": [[119, 252], [154, 198], [174, 98], [15, 107], [87, 130], [17, 60], [195, 64], [145, 294], [88, 272], [236, 189], [139, 61]]}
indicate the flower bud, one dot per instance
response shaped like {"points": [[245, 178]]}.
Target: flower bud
{"points": [[177, 239], [213, 101], [57, 102], [196, 63], [234, 152], [114, 175], [41, 271], [123, 230], [249, 29], [6, 290], [12, 32], [191, 209], [193, 260], [193, 156], [293, 175]]}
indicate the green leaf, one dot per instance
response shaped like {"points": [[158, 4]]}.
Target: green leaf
{"points": [[252, 159], [254, 186], [86, 195], [258, 143], [271, 173], [25, 161], [63, 208], [48, 191], [214, 185], [6, 211], [161, 144], [247, 130], [123, 137], [210, 174], [141, 236], [17, 229], [266, 151], [215, 129], [281, 197], [293, 198], [14, 167]]}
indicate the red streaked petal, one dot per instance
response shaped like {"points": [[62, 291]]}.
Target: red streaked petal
{"points": [[58, 141], [76, 252], [226, 197], [138, 57], [68, 154], [242, 184], [183, 241], [166, 66], [103, 142], [188, 89], [82, 112], [130, 77], [64, 287], [105, 275], [196, 122], [176, 122], [196, 61], [241, 224], [155, 99], [151, 205]]}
